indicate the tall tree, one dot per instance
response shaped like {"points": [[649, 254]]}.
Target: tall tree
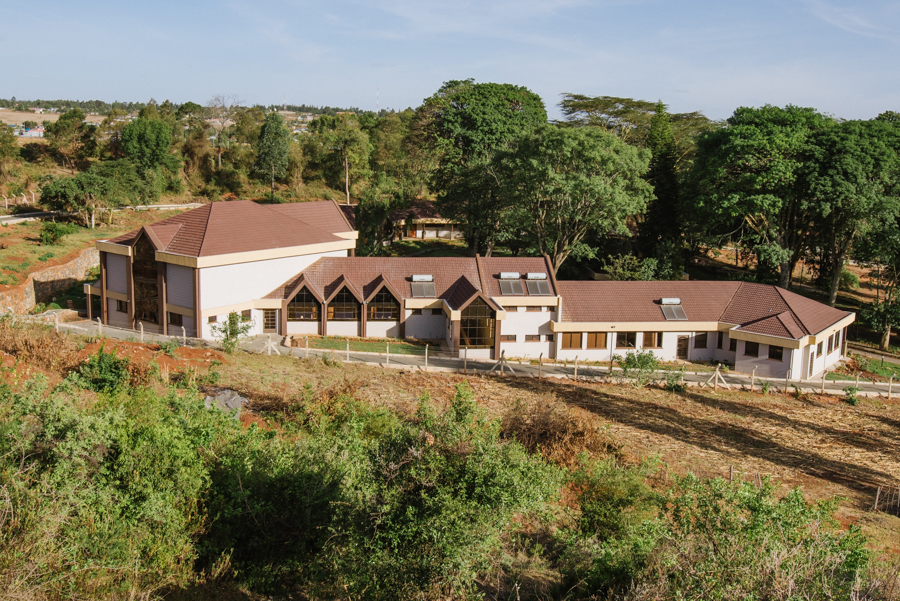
{"points": [[660, 227], [342, 143], [745, 178], [272, 149], [146, 142], [84, 195], [9, 145], [568, 181], [851, 174], [466, 125], [221, 110], [69, 136]]}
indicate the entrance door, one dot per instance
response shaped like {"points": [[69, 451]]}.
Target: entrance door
{"points": [[682, 352], [270, 321]]}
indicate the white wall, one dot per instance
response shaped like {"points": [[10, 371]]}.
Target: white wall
{"points": [[765, 367], [117, 273], [382, 329], [115, 318], [244, 282], [303, 327], [425, 327], [520, 322], [343, 328], [180, 285]]}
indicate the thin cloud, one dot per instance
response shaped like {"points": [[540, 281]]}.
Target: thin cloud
{"points": [[847, 18]]}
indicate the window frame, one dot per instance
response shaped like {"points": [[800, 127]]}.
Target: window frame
{"points": [[344, 306], [780, 359], [655, 338], [720, 341], [507, 338], [384, 306], [620, 340], [298, 307], [179, 322], [478, 318], [121, 306], [594, 337], [532, 337], [698, 336], [749, 344], [732, 345], [568, 338]]}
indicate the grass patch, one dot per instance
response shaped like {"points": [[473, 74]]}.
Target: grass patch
{"points": [[429, 248]]}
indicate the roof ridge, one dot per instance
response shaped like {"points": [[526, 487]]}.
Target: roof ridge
{"points": [[205, 227], [480, 273], [796, 317], [730, 300]]}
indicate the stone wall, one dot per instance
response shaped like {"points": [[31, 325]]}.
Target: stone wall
{"points": [[41, 285]]}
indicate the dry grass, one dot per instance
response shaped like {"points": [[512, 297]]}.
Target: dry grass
{"points": [[18, 118], [38, 345]]}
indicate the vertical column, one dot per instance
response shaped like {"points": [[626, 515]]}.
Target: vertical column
{"points": [[363, 324], [402, 319], [129, 274], [284, 306], [324, 324], [104, 304], [198, 324], [161, 286], [496, 337]]}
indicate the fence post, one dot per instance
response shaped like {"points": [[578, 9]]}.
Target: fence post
{"points": [[753, 378], [388, 353], [824, 373], [183, 336], [307, 347], [348, 350], [786, 378], [576, 368], [540, 366], [426, 357], [465, 360], [890, 387], [857, 379], [268, 344], [56, 323], [99, 327]]}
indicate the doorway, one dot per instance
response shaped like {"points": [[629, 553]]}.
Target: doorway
{"points": [[270, 321], [683, 346]]}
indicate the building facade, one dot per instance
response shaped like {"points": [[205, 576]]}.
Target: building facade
{"points": [[290, 270]]}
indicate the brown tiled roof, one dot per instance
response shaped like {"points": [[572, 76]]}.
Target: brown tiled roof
{"points": [[242, 225], [349, 212], [492, 267], [364, 273], [424, 209], [756, 308]]}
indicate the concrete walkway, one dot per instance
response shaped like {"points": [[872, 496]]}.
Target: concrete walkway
{"points": [[442, 363]]}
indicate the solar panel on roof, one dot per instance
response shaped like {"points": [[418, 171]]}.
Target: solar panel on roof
{"points": [[422, 289], [538, 287], [673, 313], [511, 287]]}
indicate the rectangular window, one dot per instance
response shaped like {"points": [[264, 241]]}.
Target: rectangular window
{"points": [[837, 341], [652, 339], [751, 349], [549, 337], [122, 306], [532, 337], [571, 340], [732, 345], [626, 340], [596, 340], [212, 319], [776, 353], [700, 340], [830, 343], [416, 312], [176, 319], [721, 340], [270, 320], [531, 309], [507, 337], [820, 348], [245, 315]]}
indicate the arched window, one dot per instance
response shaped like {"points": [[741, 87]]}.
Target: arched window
{"points": [[477, 325], [343, 307], [303, 307], [384, 307]]}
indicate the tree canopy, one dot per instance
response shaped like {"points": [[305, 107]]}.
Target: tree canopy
{"points": [[272, 149]]}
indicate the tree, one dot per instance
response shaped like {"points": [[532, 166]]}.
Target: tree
{"points": [[9, 145], [466, 124], [660, 228], [69, 136], [345, 145], [232, 331], [146, 142], [851, 176], [373, 213], [221, 110], [568, 181], [272, 149], [745, 179], [84, 194]]}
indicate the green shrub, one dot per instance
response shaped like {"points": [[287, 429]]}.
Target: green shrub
{"points": [[638, 366], [849, 281], [232, 331], [102, 372], [52, 232], [674, 379], [46, 257], [169, 347], [851, 392]]}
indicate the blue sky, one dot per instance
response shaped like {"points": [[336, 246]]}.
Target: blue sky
{"points": [[839, 57]]}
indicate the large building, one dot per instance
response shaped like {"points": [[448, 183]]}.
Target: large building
{"points": [[289, 268]]}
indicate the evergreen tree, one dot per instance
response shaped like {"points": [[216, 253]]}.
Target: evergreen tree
{"points": [[272, 149], [660, 231]]}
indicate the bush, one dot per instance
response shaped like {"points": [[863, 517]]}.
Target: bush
{"points": [[674, 381], [102, 372], [849, 281], [232, 331], [851, 392], [52, 232], [638, 366], [169, 347]]}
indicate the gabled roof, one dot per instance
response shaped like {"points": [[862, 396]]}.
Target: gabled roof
{"points": [[755, 308], [242, 226], [492, 267]]}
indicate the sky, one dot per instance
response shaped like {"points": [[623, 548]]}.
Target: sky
{"points": [[709, 56]]}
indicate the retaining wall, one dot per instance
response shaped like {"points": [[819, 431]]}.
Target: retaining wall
{"points": [[41, 285]]}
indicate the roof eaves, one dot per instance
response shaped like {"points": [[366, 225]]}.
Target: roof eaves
{"points": [[341, 282], [384, 283], [304, 282]]}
